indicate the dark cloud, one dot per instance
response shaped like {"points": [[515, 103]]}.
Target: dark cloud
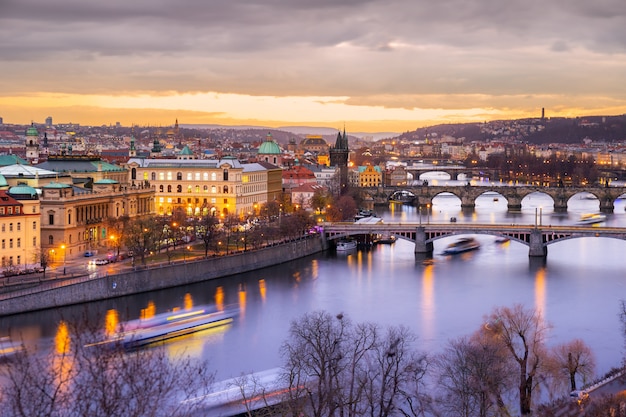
{"points": [[301, 47]]}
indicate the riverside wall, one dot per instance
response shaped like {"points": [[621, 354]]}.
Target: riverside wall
{"points": [[151, 279]]}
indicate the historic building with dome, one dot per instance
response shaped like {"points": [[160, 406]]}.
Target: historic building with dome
{"points": [[270, 151]]}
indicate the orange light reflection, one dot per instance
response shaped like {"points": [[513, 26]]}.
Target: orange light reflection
{"points": [[219, 298], [428, 300], [540, 291], [262, 289], [188, 302], [111, 321]]}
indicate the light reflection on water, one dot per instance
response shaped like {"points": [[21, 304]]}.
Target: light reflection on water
{"points": [[578, 290]]}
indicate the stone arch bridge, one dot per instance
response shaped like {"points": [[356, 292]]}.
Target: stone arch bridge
{"points": [[536, 237], [514, 194]]}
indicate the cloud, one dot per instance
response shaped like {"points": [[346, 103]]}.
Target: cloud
{"points": [[486, 51]]}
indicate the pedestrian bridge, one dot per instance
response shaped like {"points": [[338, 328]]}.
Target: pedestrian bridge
{"points": [[536, 237]]}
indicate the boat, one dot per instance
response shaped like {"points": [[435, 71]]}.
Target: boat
{"points": [[9, 348], [363, 213], [346, 245], [137, 333], [462, 245], [502, 239], [591, 218], [385, 239]]}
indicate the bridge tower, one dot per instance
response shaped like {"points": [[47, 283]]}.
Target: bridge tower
{"points": [[339, 155]]}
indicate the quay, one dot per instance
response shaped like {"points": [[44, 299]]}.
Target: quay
{"points": [[83, 289]]}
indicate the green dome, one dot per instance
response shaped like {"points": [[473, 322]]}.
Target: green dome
{"points": [[106, 181], [23, 190], [32, 131], [3, 181], [53, 185], [186, 151], [269, 147]]}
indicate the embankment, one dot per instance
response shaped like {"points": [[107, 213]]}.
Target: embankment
{"points": [[56, 294]]}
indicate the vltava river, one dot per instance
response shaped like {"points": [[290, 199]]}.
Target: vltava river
{"points": [[578, 289]]}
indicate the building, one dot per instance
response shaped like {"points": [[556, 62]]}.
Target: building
{"points": [[396, 176], [74, 219], [32, 144], [339, 156], [270, 152], [19, 226], [370, 176], [85, 170], [200, 186]]}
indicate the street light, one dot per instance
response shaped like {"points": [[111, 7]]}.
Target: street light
{"points": [[64, 257]]}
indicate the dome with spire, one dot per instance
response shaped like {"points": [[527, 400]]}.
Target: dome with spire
{"points": [[32, 131], [269, 147]]}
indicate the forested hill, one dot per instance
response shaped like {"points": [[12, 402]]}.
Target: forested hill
{"points": [[536, 131]]}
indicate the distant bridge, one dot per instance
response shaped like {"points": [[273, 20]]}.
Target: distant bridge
{"points": [[514, 195], [536, 237]]}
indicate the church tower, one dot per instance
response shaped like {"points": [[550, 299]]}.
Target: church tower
{"points": [[132, 151], [339, 158], [32, 144]]}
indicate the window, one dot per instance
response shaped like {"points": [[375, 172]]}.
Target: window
{"points": [[19, 259], [169, 188], [179, 188], [133, 174], [51, 219], [213, 189], [161, 176], [35, 241], [225, 175], [10, 227], [189, 188], [34, 225], [1, 210], [19, 226], [4, 227], [189, 176], [179, 176], [205, 176], [226, 189], [17, 210], [3, 244], [69, 218], [160, 188], [50, 240], [9, 210], [19, 242], [197, 176], [169, 175], [10, 243], [197, 189], [205, 188], [213, 176], [153, 176]]}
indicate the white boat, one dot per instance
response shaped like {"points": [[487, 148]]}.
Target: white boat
{"points": [[9, 348], [346, 245], [592, 218], [138, 333], [385, 239], [464, 244]]}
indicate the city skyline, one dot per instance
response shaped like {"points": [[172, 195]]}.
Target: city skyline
{"points": [[374, 66]]}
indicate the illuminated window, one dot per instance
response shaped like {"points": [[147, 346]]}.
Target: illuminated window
{"points": [[169, 175]]}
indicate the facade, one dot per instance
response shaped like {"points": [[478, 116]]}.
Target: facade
{"points": [[370, 176], [302, 195], [74, 219], [397, 176], [19, 228], [85, 169], [199, 186], [339, 156], [270, 151]]}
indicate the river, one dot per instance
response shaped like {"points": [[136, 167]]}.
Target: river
{"points": [[578, 290]]}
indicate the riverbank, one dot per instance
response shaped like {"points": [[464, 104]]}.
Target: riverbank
{"points": [[83, 289]]}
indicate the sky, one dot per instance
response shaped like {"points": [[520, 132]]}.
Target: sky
{"points": [[372, 66]]}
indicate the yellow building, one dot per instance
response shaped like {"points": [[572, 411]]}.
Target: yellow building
{"points": [[19, 227], [199, 186], [74, 219], [370, 176]]}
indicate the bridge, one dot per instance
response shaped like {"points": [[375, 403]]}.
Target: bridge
{"points": [[536, 237], [514, 195]]}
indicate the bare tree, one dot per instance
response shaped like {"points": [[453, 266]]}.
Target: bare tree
{"points": [[82, 378], [522, 332], [571, 360], [140, 236], [207, 228], [336, 368], [473, 376]]}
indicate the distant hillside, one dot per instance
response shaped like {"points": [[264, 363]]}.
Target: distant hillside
{"points": [[535, 131]]}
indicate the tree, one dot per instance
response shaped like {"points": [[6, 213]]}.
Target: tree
{"points": [[80, 377], [473, 376], [42, 257], [522, 332], [336, 368], [116, 228], [207, 228], [570, 360], [140, 236]]}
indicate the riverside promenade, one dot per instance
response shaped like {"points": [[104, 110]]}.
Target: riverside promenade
{"points": [[40, 294]]}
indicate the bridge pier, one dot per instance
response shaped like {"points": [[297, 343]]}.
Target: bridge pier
{"points": [[420, 241], [536, 246]]}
